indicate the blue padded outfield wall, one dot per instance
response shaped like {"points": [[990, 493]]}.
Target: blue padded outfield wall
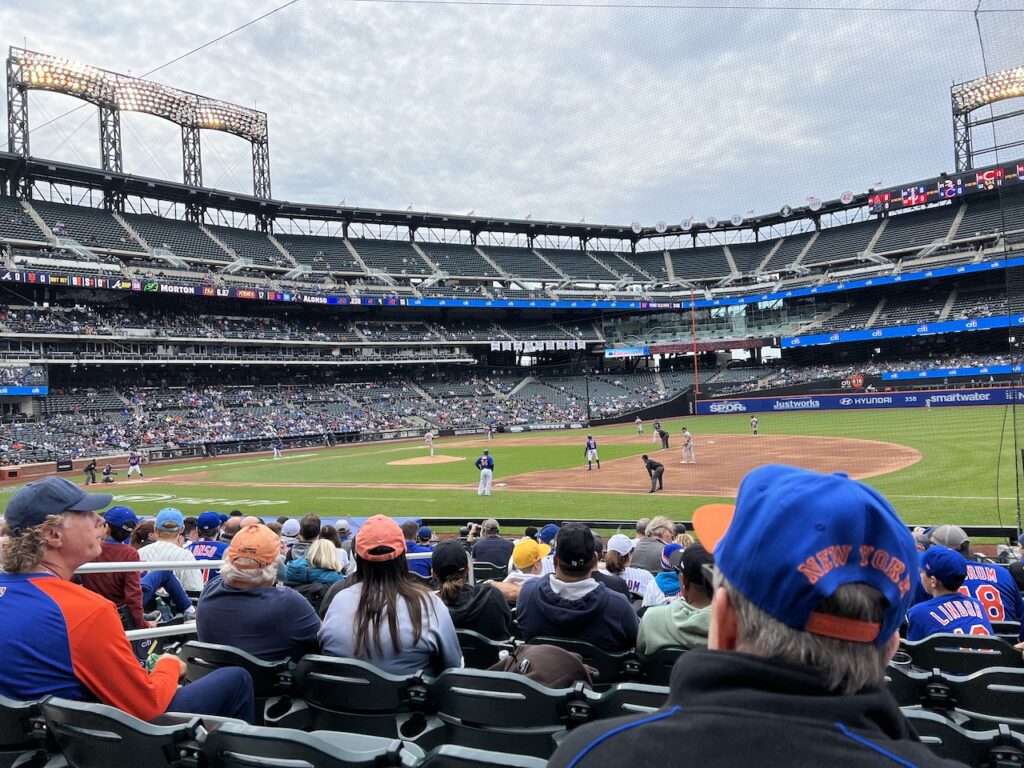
{"points": [[937, 398]]}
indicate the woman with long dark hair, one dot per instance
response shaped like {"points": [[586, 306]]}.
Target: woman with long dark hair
{"points": [[385, 617]]}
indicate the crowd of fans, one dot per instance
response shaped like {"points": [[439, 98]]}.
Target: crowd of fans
{"points": [[23, 376], [772, 623]]}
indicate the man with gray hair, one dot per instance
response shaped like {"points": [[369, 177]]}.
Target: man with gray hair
{"points": [[812, 578], [244, 607], [492, 548], [647, 552], [60, 639]]}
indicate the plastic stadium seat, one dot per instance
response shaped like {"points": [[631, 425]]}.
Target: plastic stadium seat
{"points": [[269, 678], [353, 695], [95, 734], [961, 654], [249, 746], [505, 711], [484, 571], [23, 735], [628, 699], [611, 667], [479, 652], [656, 668], [997, 748], [450, 756], [1008, 630]]}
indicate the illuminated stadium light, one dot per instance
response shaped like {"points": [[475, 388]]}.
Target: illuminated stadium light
{"points": [[969, 96], [113, 93]]}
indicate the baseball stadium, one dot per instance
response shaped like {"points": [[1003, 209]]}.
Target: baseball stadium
{"points": [[182, 345]]}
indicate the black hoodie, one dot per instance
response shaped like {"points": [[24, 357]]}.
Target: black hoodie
{"points": [[729, 709], [482, 609], [601, 617]]}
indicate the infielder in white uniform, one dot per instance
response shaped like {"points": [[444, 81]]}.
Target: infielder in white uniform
{"points": [[639, 425], [657, 428], [753, 425], [429, 440], [688, 448]]}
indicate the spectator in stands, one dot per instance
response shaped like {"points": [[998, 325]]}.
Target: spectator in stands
{"points": [[290, 533], [190, 531], [1003, 604], [619, 562], [570, 603], [479, 607], [330, 533], [613, 581], [664, 587], [641, 527], [345, 535], [943, 571], [61, 639], [528, 558], [144, 534], [492, 548], [309, 531], [245, 608], [230, 527], [320, 564], [647, 551], [411, 529], [208, 546], [683, 623], [799, 639], [386, 617], [124, 589], [170, 526]]}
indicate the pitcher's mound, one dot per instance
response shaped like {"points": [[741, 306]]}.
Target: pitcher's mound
{"points": [[439, 459]]}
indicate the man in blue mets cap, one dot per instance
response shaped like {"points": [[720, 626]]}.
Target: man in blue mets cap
{"points": [[812, 578]]}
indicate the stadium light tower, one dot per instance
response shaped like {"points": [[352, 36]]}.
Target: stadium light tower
{"points": [[973, 95], [113, 93]]}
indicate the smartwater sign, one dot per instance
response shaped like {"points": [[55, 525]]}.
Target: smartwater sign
{"points": [[941, 398], [24, 390]]}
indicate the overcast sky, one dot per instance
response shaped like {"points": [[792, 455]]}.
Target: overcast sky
{"points": [[566, 113]]}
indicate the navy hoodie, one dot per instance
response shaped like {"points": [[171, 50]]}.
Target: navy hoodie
{"points": [[601, 617]]}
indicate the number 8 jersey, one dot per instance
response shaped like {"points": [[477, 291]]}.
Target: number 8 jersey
{"points": [[993, 586]]}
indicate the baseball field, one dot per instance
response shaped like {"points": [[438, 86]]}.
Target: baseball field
{"points": [[936, 466]]}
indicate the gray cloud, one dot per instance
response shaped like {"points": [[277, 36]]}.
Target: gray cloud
{"points": [[565, 113]]}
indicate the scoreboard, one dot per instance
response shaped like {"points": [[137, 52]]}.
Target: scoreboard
{"points": [[947, 187]]}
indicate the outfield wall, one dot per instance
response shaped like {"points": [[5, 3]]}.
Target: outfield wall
{"points": [[866, 400]]}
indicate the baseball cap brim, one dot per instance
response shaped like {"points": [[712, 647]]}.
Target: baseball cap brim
{"points": [[90, 502], [711, 521]]}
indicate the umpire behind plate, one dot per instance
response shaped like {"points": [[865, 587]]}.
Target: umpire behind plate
{"points": [[813, 578]]}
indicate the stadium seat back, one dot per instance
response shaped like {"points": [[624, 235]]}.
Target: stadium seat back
{"points": [[629, 699], [269, 678], [995, 694], [451, 756], [484, 571], [505, 711], [1008, 630], [249, 746], [906, 685], [95, 734], [23, 734], [962, 654], [353, 695], [480, 652], [611, 667], [997, 748], [656, 668]]}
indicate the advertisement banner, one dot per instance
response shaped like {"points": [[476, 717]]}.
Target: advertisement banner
{"points": [[945, 373], [903, 331], [5, 390], [922, 399]]}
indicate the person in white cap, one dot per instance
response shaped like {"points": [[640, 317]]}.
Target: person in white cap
{"points": [[618, 561]]}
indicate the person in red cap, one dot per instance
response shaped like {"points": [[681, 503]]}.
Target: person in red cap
{"points": [[385, 616], [813, 576]]}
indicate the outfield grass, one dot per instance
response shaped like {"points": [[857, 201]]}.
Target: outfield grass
{"points": [[954, 482]]}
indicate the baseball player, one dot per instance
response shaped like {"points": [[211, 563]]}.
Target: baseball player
{"points": [[657, 429], [108, 473], [486, 466], [639, 425], [278, 445], [134, 464], [656, 470], [688, 448], [753, 425], [90, 472], [429, 440], [590, 451], [490, 432]]}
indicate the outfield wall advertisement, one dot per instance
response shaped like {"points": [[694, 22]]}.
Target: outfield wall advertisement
{"points": [[936, 398]]}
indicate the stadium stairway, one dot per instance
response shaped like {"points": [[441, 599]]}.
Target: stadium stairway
{"points": [[282, 250], [39, 222], [873, 318], [220, 243]]}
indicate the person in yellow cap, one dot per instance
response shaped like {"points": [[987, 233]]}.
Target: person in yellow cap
{"points": [[528, 559]]}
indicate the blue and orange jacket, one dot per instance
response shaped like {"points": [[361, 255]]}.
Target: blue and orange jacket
{"points": [[59, 638]]}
